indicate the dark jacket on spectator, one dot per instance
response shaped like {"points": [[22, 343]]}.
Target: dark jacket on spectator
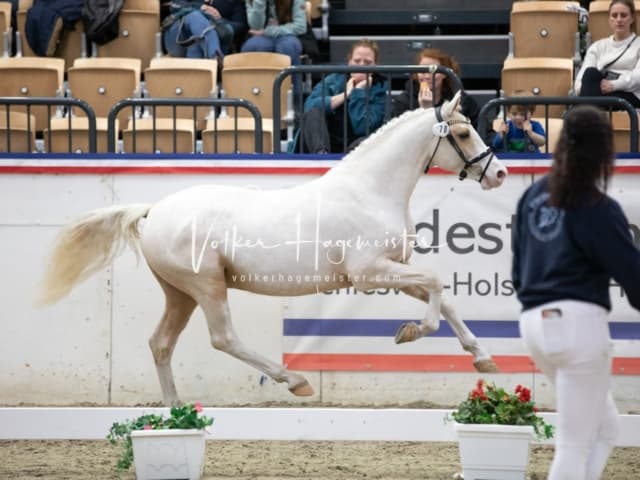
{"points": [[45, 21]]}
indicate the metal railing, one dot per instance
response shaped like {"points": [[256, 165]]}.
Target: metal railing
{"points": [[611, 103], [150, 105], [50, 103], [386, 71]]}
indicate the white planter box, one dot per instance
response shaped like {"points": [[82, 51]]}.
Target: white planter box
{"points": [[494, 452], [168, 454]]}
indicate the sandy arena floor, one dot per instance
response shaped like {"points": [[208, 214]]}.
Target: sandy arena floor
{"points": [[262, 460]]}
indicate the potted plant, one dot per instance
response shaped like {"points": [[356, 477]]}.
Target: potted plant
{"points": [[163, 448], [494, 429]]}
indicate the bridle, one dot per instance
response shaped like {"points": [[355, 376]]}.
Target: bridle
{"points": [[452, 141]]}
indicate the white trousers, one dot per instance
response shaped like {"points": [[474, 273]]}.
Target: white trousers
{"points": [[569, 341]]}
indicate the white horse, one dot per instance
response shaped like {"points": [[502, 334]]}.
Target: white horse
{"points": [[348, 227]]}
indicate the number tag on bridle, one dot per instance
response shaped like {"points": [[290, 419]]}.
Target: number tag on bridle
{"points": [[440, 129]]}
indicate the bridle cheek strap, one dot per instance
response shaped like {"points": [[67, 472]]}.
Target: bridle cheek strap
{"points": [[456, 147]]}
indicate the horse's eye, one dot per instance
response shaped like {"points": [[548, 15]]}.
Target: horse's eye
{"points": [[463, 133]]}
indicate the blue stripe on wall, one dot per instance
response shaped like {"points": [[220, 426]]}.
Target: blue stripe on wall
{"points": [[344, 327]]}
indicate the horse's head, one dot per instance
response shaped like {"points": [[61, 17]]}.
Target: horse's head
{"points": [[459, 148]]}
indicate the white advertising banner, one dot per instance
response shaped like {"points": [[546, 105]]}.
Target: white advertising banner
{"points": [[463, 234]]}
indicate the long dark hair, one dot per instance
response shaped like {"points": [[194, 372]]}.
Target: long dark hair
{"points": [[283, 11], [583, 159]]}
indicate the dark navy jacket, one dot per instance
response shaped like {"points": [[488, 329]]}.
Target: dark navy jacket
{"points": [[572, 254], [41, 19], [234, 11]]}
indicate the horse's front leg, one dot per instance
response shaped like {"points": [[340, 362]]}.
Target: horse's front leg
{"points": [[424, 285], [411, 331], [482, 361]]}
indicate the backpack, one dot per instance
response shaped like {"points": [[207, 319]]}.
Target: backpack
{"points": [[100, 18], [46, 22]]}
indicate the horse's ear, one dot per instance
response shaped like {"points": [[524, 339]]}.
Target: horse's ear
{"points": [[449, 107]]}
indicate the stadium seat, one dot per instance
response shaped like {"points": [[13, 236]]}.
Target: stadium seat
{"points": [[598, 26], [72, 43], [32, 77], [621, 131], [18, 132], [102, 82], [169, 77], [544, 77], [158, 136], [139, 24], [219, 135], [5, 28], [250, 75], [541, 29], [74, 138], [313, 9], [552, 127]]}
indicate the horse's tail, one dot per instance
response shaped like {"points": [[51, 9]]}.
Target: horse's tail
{"points": [[88, 245]]}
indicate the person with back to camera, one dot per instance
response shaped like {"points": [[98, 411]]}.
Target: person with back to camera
{"points": [[569, 240], [611, 65], [520, 133], [422, 91], [203, 29], [322, 125]]}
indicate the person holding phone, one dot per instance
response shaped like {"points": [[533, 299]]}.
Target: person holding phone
{"points": [[570, 239]]}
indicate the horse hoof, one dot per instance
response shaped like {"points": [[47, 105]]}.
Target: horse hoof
{"points": [[408, 332], [302, 390], [486, 366]]}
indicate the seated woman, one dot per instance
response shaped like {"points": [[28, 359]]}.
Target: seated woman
{"points": [[363, 96], [422, 91], [274, 26], [611, 65], [204, 29]]}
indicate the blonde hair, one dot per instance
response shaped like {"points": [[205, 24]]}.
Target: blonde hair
{"points": [[630, 4]]}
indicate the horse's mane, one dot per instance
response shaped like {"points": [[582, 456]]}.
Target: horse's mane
{"points": [[384, 130]]}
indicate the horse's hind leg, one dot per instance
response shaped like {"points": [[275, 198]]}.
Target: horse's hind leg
{"points": [[223, 337], [178, 309], [412, 331]]}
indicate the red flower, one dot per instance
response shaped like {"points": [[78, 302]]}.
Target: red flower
{"points": [[524, 395], [198, 407], [147, 427]]}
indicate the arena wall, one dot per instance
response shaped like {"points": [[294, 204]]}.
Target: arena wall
{"points": [[91, 348]]}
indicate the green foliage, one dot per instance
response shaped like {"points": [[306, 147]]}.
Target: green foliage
{"points": [[490, 404], [184, 417]]}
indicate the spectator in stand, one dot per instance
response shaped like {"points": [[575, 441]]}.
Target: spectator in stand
{"points": [[570, 239], [274, 26], [208, 29], [611, 66], [520, 133], [426, 90], [342, 105]]}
